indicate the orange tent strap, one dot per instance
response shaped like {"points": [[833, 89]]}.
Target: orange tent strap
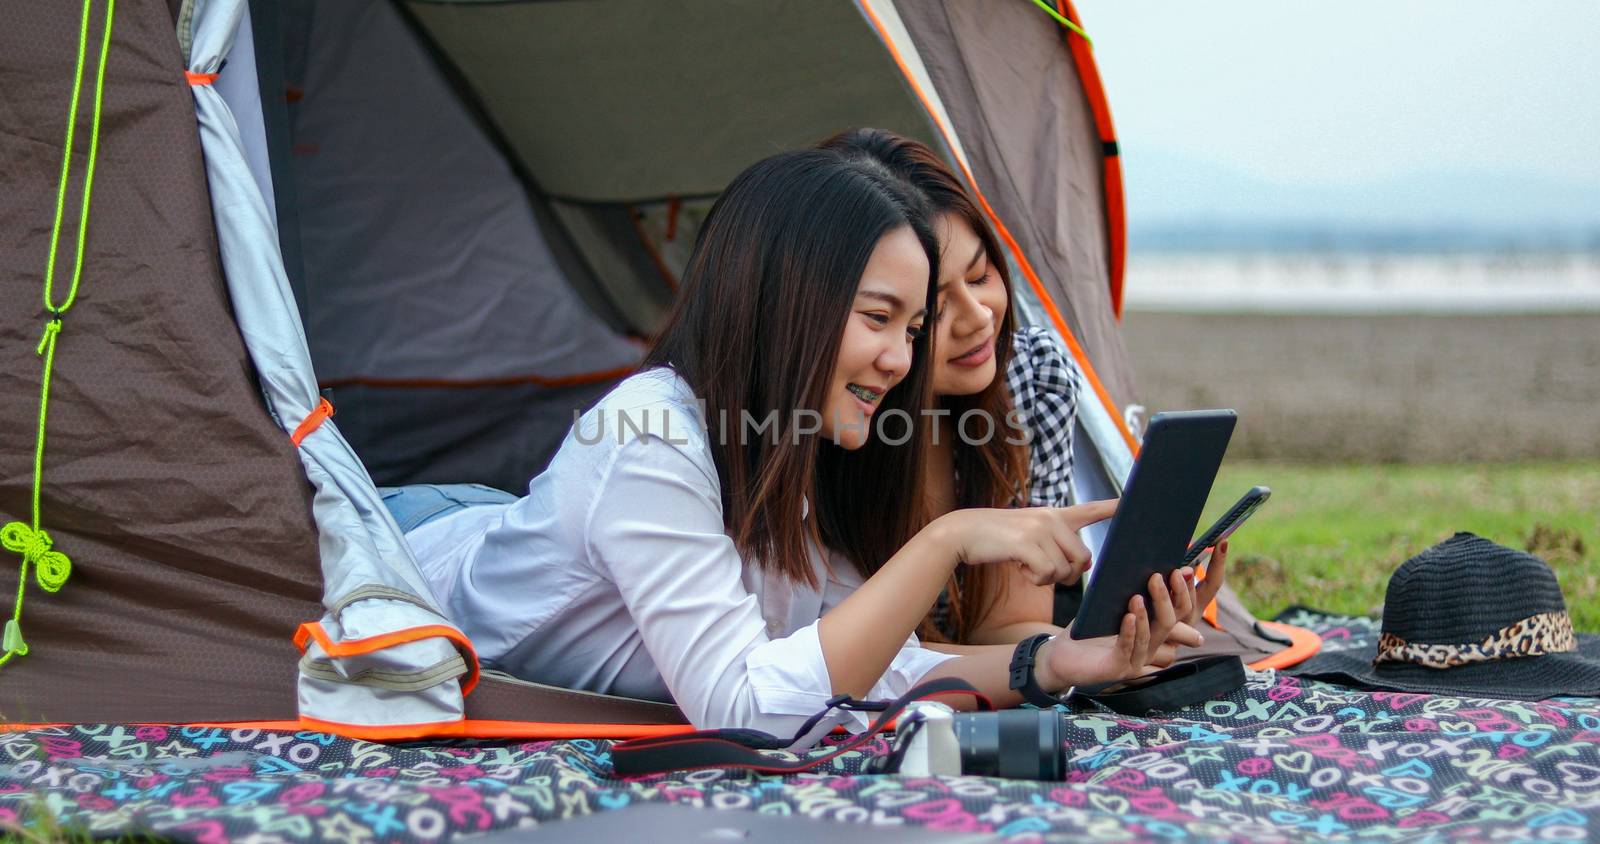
{"points": [[1117, 232], [635, 217], [1011, 243], [472, 728], [475, 383], [469, 728], [1210, 612], [199, 78], [1094, 90], [674, 205], [1303, 645], [312, 422], [355, 647]]}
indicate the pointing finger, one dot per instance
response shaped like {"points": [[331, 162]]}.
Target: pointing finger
{"points": [[1080, 515]]}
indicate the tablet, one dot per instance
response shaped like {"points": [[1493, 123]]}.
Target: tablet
{"points": [[1160, 509]]}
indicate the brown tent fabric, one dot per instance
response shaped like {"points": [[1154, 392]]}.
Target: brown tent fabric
{"points": [[182, 506], [1018, 106]]}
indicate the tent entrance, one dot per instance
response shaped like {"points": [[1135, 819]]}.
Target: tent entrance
{"points": [[490, 222]]}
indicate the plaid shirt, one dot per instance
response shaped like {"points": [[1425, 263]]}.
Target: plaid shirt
{"points": [[1044, 389]]}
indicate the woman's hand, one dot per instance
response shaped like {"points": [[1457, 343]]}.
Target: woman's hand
{"points": [[1064, 661], [1206, 590], [1190, 600], [1043, 539], [1184, 630], [1147, 640]]}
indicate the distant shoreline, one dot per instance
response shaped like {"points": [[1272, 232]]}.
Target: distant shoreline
{"points": [[1331, 238], [1363, 283]]}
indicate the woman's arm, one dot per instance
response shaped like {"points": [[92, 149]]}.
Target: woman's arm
{"points": [[1064, 661], [1188, 600], [1044, 384], [655, 529], [863, 633], [1019, 609]]}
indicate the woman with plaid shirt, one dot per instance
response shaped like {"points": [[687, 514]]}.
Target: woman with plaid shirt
{"points": [[997, 443]]}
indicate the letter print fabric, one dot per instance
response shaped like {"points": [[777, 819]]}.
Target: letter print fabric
{"points": [[1283, 759]]}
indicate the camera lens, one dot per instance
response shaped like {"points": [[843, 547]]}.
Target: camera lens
{"points": [[1011, 743]]}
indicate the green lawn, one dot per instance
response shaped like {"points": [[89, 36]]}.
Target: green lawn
{"points": [[1331, 535]]}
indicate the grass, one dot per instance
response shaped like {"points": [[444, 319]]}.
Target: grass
{"points": [[38, 826], [1331, 535]]}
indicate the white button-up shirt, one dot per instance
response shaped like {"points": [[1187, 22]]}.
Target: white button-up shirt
{"points": [[614, 575]]}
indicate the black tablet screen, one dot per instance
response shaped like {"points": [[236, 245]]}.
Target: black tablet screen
{"points": [[1160, 509]]}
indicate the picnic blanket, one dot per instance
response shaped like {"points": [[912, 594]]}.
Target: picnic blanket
{"points": [[1283, 759]]}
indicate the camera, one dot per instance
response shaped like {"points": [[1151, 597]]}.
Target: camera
{"points": [[1012, 743], [1030, 743]]}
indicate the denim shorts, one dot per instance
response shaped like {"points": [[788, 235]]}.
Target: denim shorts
{"points": [[417, 504]]}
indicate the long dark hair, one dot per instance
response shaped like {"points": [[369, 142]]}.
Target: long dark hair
{"points": [[994, 474], [763, 303]]}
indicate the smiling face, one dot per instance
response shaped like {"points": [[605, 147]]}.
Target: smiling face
{"points": [[972, 304], [875, 349]]}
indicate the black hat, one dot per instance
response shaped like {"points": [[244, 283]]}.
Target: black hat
{"points": [[1471, 618]]}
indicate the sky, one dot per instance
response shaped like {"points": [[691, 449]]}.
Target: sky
{"points": [[1410, 111]]}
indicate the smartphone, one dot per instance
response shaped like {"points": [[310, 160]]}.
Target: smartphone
{"points": [[1230, 522]]}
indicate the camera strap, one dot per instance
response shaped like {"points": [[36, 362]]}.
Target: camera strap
{"points": [[1174, 687], [739, 748]]}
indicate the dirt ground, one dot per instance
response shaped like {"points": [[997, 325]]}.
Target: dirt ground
{"points": [[1380, 388]]}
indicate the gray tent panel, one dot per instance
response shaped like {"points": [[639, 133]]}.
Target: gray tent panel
{"points": [[371, 586], [501, 436], [423, 258], [241, 90], [638, 124], [607, 237], [444, 320]]}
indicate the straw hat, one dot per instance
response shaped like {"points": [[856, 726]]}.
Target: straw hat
{"points": [[1471, 618]]}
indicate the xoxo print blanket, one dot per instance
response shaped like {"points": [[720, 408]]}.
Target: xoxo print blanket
{"points": [[1283, 759]]}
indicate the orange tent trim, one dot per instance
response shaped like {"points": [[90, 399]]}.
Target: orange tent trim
{"points": [[636, 217], [1056, 318], [312, 630], [1303, 645], [1116, 213], [313, 421], [469, 728]]}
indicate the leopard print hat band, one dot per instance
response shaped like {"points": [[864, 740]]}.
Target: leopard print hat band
{"points": [[1544, 633]]}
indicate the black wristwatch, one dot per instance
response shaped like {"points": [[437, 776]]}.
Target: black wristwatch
{"points": [[1022, 679]]}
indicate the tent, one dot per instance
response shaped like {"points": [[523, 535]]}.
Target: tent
{"points": [[454, 221]]}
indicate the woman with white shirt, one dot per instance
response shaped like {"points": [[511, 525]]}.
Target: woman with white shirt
{"points": [[674, 547]]}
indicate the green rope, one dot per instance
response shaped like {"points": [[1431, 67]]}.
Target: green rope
{"points": [[1062, 19], [51, 567]]}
